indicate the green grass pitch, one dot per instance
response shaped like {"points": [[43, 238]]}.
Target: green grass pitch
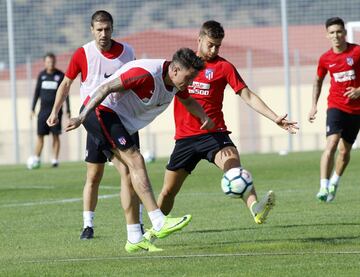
{"points": [[41, 219]]}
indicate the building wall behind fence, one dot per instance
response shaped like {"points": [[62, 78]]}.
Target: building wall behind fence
{"points": [[156, 29]]}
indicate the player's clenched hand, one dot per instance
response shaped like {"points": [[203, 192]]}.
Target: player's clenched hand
{"points": [[207, 124], [52, 120], [73, 124], [290, 126], [312, 114]]}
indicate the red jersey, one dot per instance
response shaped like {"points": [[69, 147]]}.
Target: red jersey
{"points": [[208, 89], [344, 69]]}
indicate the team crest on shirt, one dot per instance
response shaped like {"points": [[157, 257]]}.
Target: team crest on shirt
{"points": [[349, 61], [57, 78], [209, 74], [122, 140]]}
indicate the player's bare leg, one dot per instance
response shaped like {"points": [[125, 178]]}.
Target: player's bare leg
{"points": [[94, 175], [56, 150], [161, 226], [39, 145], [341, 162], [327, 165], [173, 181], [37, 152]]}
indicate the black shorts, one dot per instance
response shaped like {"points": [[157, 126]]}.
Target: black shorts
{"points": [[96, 156], [43, 129], [339, 122], [189, 151], [105, 132]]}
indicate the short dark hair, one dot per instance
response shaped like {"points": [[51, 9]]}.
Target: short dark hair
{"points": [[50, 55], [187, 58], [212, 29], [334, 21], [101, 16]]}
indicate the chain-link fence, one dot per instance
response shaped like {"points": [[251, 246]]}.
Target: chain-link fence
{"points": [[253, 43]]}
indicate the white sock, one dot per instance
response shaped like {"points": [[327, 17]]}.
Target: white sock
{"points": [[36, 158], [334, 180], [54, 161], [157, 219], [253, 208], [134, 234], [324, 183], [88, 217], [141, 208]]}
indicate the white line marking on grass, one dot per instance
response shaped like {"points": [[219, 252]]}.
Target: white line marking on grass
{"points": [[216, 255], [108, 187], [50, 202], [27, 187]]}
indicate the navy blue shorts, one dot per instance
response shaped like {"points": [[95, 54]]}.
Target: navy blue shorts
{"points": [[339, 122], [189, 151], [105, 132], [43, 129]]}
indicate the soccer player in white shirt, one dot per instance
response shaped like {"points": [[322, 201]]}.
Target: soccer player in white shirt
{"points": [[96, 61], [127, 102]]}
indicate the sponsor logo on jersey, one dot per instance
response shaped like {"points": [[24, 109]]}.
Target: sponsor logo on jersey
{"points": [[332, 65], [199, 91], [122, 140], [49, 85], [107, 75], [200, 85], [344, 76], [199, 88], [349, 61], [209, 74]]}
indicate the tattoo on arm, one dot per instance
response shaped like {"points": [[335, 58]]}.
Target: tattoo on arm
{"points": [[100, 94]]}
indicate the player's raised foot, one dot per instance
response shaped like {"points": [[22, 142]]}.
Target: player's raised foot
{"points": [[143, 245], [332, 193], [171, 225], [262, 208], [87, 233], [322, 195]]}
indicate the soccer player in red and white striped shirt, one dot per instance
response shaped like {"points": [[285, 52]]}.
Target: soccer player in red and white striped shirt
{"points": [[342, 62]]}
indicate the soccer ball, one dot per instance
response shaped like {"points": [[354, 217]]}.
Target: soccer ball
{"points": [[32, 163], [237, 182], [149, 156]]}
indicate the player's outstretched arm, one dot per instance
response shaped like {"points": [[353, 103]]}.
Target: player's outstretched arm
{"points": [[259, 105], [195, 109], [97, 97], [61, 95]]}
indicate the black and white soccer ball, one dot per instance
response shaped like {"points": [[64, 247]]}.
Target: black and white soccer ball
{"points": [[237, 182]]}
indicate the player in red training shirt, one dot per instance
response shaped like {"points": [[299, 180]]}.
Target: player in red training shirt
{"points": [[343, 113], [214, 145]]}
